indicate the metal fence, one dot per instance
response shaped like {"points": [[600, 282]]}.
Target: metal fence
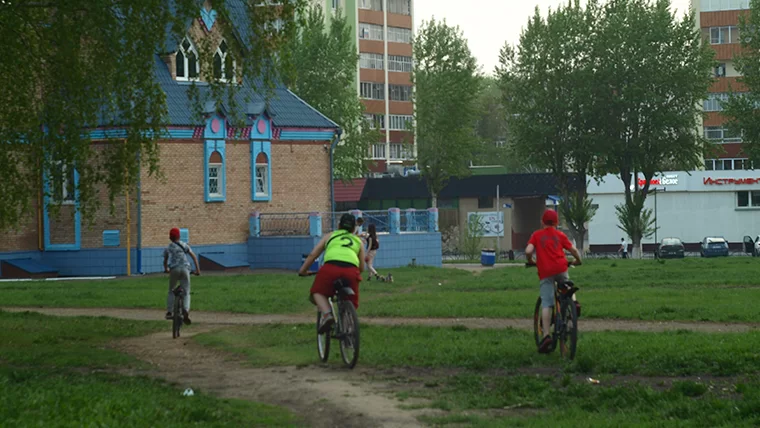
{"points": [[292, 224], [416, 221]]}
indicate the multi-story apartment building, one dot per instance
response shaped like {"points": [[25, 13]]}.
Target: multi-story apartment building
{"points": [[718, 20], [383, 32]]}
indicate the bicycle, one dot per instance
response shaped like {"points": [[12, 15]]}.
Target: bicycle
{"points": [[178, 309], [564, 318], [345, 329]]}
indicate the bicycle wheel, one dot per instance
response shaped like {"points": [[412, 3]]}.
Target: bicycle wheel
{"points": [[538, 331], [349, 333], [177, 316], [568, 335], [323, 341]]}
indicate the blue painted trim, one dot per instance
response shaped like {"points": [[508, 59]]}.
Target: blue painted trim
{"points": [[184, 235], [180, 134], [215, 142], [208, 17], [111, 238], [167, 134], [267, 134], [77, 244], [256, 148], [306, 135]]}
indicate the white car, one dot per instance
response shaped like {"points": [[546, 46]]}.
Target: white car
{"points": [[752, 246]]}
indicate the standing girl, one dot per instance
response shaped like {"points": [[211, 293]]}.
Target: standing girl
{"points": [[373, 244]]}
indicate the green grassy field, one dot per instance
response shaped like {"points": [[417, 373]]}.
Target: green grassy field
{"points": [[47, 378], [691, 289]]}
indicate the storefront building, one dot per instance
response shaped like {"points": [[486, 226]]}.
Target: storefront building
{"points": [[687, 205]]}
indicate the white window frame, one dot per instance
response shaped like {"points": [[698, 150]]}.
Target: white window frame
{"points": [[335, 4], [753, 201], [375, 121], [399, 35], [714, 102], [372, 91], [262, 178], [402, 92], [723, 131], [223, 57], [219, 168], [397, 122], [400, 7], [66, 180], [399, 151], [377, 151], [370, 31], [186, 62], [716, 35], [371, 61], [712, 164], [721, 5], [376, 5], [400, 63]]}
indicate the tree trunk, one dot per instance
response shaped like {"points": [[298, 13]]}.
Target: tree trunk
{"points": [[636, 250], [579, 236], [434, 201]]}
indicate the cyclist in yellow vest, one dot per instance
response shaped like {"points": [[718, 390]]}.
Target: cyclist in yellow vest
{"points": [[344, 256]]}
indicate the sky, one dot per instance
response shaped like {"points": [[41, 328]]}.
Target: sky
{"points": [[493, 22]]}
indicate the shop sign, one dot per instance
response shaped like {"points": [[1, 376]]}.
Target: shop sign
{"points": [[709, 181], [668, 180]]}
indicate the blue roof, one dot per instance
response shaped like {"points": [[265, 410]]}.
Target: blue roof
{"points": [[285, 108]]}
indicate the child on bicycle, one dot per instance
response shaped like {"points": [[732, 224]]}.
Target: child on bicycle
{"points": [[344, 257], [548, 245], [178, 268]]}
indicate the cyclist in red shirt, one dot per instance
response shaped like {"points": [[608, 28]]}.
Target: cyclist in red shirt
{"points": [[548, 245]]}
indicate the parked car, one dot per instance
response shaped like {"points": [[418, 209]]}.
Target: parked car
{"points": [[670, 248], [752, 246], [714, 246]]}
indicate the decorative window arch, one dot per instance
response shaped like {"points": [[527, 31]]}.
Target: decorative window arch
{"points": [[186, 65], [224, 63], [261, 170], [215, 159]]}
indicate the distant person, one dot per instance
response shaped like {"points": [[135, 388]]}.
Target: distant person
{"points": [[623, 248], [344, 256], [548, 245], [178, 268], [373, 244]]}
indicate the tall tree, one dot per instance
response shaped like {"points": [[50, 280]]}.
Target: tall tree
{"points": [[324, 76], [447, 87], [743, 109], [647, 119], [547, 86], [73, 65]]}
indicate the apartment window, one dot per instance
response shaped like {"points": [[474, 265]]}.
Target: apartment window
{"points": [[224, 65], [371, 60], [375, 121], [485, 202], [399, 63], [402, 7], [372, 91], [399, 122], [719, 134], [748, 199], [722, 35], [400, 151], [719, 5], [400, 92], [399, 35], [714, 102], [720, 70], [261, 171], [186, 61], [335, 4], [370, 31], [63, 189], [727, 164], [378, 151], [371, 4]]}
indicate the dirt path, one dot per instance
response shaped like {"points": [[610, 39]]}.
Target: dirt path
{"points": [[323, 397], [225, 318]]}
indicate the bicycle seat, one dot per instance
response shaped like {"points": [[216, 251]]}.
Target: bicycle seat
{"points": [[342, 288]]}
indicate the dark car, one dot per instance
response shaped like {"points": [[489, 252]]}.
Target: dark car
{"points": [[714, 246], [670, 248]]}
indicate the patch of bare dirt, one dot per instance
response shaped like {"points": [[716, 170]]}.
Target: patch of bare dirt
{"points": [[225, 318], [323, 397]]}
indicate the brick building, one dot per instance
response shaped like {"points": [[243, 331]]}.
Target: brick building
{"points": [[267, 155]]}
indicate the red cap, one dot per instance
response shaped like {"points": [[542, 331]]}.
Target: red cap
{"points": [[550, 218], [174, 234]]}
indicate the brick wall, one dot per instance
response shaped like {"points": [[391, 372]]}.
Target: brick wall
{"points": [[300, 183], [24, 237]]}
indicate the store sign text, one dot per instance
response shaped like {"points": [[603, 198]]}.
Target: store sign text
{"points": [[708, 181], [668, 180]]}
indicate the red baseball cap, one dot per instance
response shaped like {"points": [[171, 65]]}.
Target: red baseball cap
{"points": [[174, 234], [550, 218]]}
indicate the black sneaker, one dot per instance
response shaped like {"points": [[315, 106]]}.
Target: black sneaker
{"points": [[186, 318], [326, 323], [546, 345], [169, 315]]}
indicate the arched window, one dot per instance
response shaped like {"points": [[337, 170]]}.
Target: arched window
{"points": [[224, 64], [215, 175], [262, 175], [187, 61]]}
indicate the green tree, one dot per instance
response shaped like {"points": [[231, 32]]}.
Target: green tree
{"points": [[73, 65], [647, 119], [325, 60], [447, 88], [547, 86], [743, 110]]}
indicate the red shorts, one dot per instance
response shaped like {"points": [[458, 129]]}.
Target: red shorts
{"points": [[329, 273]]}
